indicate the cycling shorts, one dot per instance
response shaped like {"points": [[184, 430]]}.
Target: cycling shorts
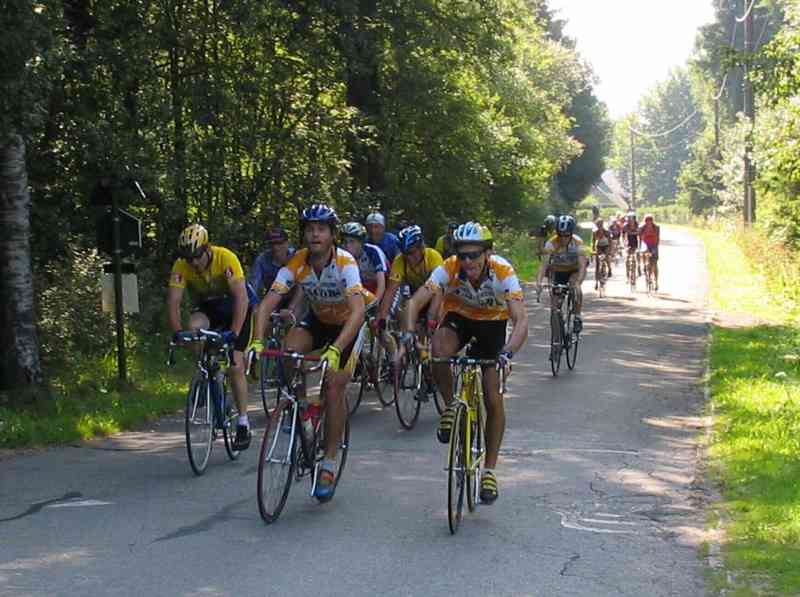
{"points": [[563, 277], [323, 334], [653, 251], [633, 240], [220, 317], [489, 334]]}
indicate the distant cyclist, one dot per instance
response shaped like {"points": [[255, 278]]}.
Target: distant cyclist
{"points": [[376, 229], [444, 244], [215, 280], [630, 233], [372, 263], [546, 230], [650, 238], [601, 244]]}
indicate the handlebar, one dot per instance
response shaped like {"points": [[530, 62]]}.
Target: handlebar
{"points": [[201, 335]]}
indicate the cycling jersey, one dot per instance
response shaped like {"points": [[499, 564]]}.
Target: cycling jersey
{"points": [[445, 246], [262, 274], [212, 284], [489, 301], [615, 230], [327, 293], [371, 261], [649, 234], [565, 256], [601, 237], [415, 275], [389, 244]]}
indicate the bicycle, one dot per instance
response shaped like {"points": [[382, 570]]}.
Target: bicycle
{"points": [[293, 445], [630, 269], [208, 411], [601, 273], [563, 340], [368, 373], [268, 367], [413, 380], [649, 273], [466, 449]]}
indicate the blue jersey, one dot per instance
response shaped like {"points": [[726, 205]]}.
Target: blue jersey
{"points": [[371, 261], [389, 244], [264, 270]]}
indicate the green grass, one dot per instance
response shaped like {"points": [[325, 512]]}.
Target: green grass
{"points": [[87, 401], [755, 447]]}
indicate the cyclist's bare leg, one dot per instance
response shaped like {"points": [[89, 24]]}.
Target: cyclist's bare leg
{"points": [[238, 379], [573, 280], [198, 321], [445, 344], [297, 340], [335, 410], [495, 415]]}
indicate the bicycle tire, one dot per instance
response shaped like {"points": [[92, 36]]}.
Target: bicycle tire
{"points": [[405, 400], [354, 390], [476, 449], [229, 430], [556, 343], [377, 362], [275, 476], [268, 379], [438, 399], [342, 450], [199, 425], [456, 471], [572, 341]]}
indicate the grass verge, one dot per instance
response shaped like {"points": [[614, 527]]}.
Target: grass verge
{"points": [[755, 447], [87, 400]]}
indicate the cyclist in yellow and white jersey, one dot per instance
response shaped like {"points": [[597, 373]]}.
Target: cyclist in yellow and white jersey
{"points": [[566, 261], [328, 277], [222, 300], [481, 292]]}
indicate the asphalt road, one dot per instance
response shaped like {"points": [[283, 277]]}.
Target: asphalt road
{"points": [[598, 481]]}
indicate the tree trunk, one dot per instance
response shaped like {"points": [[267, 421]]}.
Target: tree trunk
{"points": [[20, 368]]}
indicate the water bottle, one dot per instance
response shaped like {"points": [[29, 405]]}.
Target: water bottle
{"points": [[308, 426]]}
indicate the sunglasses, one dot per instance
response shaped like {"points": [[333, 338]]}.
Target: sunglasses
{"points": [[469, 255]]}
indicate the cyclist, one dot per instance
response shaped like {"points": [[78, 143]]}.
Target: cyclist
{"points": [[444, 244], [222, 299], [266, 266], [411, 267], [481, 291], [649, 238], [372, 263], [376, 227], [328, 277], [630, 231], [545, 231], [601, 243], [614, 231], [566, 263]]}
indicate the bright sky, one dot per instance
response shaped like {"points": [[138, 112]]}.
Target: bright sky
{"points": [[632, 44]]}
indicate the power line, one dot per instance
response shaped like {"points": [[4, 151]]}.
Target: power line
{"points": [[667, 132], [743, 18]]}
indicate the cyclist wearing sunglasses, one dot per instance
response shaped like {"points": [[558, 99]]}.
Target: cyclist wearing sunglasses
{"points": [[222, 299], [481, 292]]}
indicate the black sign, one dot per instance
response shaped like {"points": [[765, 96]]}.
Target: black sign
{"points": [[130, 233]]}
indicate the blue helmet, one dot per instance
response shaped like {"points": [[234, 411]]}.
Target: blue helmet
{"points": [[565, 225], [319, 212], [410, 237]]}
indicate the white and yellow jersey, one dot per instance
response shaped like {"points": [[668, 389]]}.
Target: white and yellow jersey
{"points": [[489, 301], [327, 293], [565, 253]]}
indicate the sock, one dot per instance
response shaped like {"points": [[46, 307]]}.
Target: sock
{"points": [[329, 465], [488, 470], [243, 420]]}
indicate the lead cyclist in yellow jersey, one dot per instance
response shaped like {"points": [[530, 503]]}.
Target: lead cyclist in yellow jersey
{"points": [[481, 291]]}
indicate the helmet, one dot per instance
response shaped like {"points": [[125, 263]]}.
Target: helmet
{"points": [[452, 226], [192, 241], [473, 232], [376, 218], [355, 230], [565, 225], [631, 215], [319, 212], [648, 217], [550, 221], [410, 237], [599, 222]]}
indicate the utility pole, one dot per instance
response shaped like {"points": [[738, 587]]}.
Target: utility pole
{"points": [[633, 169], [749, 112], [716, 126]]}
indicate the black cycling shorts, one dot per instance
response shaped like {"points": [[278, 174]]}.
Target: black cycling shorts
{"points": [[490, 335], [220, 317], [633, 241], [323, 334], [562, 277]]}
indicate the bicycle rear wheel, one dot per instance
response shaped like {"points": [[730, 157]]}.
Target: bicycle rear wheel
{"points": [[229, 429], [456, 470], [199, 425], [270, 385], [556, 343], [406, 386], [277, 459]]}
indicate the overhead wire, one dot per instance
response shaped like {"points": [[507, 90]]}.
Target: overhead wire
{"points": [[667, 132]]}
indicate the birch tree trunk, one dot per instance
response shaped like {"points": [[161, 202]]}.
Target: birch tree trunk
{"points": [[20, 368]]}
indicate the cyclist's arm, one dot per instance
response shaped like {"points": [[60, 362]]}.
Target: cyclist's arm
{"points": [[380, 285], [174, 296], [354, 321], [435, 306], [297, 298], [388, 297], [421, 298], [543, 270], [265, 308], [583, 263], [239, 293]]}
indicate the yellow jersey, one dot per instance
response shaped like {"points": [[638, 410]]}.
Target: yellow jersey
{"points": [[489, 301], [327, 293], [415, 275], [213, 283], [565, 254]]}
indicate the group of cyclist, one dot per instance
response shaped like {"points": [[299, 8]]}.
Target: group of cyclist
{"points": [[340, 274]]}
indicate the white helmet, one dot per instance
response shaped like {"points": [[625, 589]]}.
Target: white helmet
{"points": [[355, 230], [473, 232], [376, 218]]}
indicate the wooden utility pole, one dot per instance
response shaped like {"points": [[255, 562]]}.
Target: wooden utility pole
{"points": [[633, 169], [749, 112]]}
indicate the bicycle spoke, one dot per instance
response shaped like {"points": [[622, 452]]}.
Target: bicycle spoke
{"points": [[277, 459]]}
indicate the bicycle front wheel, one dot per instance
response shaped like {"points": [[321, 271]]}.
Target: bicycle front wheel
{"points": [[456, 469], [276, 461], [406, 386], [556, 343], [354, 391], [268, 377], [572, 340], [229, 430], [199, 425], [476, 454]]}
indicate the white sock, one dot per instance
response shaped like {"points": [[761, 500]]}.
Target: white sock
{"points": [[488, 470], [243, 420], [329, 465]]}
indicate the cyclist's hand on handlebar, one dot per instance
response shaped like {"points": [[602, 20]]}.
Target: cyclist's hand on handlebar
{"points": [[504, 359], [229, 337], [332, 354], [287, 315], [255, 348]]}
